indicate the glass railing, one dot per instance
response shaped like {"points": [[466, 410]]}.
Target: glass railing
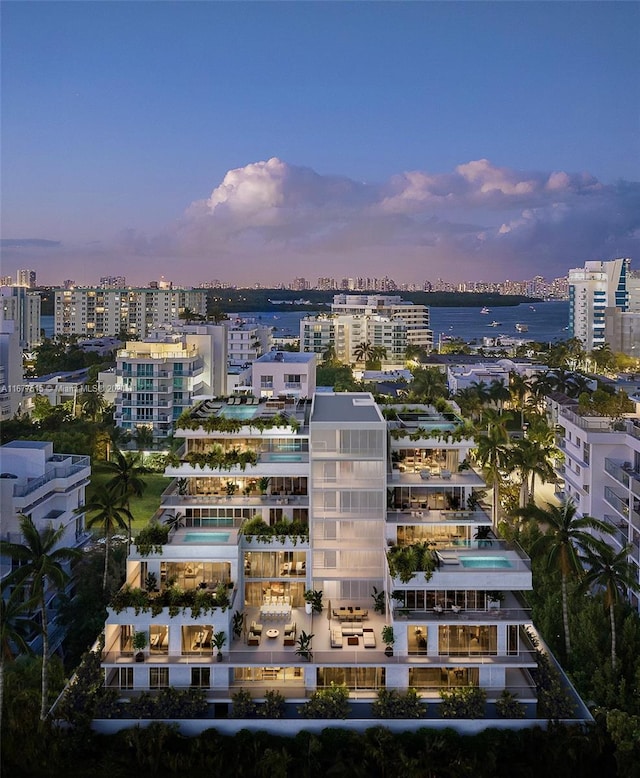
{"points": [[616, 471], [616, 502], [78, 464]]}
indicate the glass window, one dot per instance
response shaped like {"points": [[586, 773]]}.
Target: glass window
{"points": [[201, 677], [158, 677]]}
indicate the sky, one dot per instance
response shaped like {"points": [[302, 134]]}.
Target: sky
{"points": [[258, 142]]}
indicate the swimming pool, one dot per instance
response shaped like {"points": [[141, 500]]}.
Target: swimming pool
{"points": [[280, 457], [206, 537], [238, 411], [487, 562]]}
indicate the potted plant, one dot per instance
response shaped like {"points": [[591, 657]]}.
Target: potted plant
{"points": [[303, 649], [151, 582], [483, 536], [313, 601], [263, 485], [494, 599], [238, 623], [230, 488], [388, 638], [379, 605], [219, 639], [139, 644]]}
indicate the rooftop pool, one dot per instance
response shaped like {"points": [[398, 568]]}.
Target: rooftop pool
{"points": [[486, 562], [206, 537], [238, 411]]}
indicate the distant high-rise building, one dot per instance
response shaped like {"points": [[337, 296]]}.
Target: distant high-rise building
{"points": [[95, 313], [23, 307], [6, 280], [592, 289], [113, 282], [26, 278]]}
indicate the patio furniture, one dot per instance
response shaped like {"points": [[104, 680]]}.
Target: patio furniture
{"points": [[272, 633], [352, 640], [369, 638], [336, 638], [253, 639]]}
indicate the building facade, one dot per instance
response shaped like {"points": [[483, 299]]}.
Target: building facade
{"points": [[20, 305], [592, 289], [381, 519], [96, 312]]}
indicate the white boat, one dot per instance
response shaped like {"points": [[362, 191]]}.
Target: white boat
{"points": [[496, 324], [522, 327], [485, 310]]}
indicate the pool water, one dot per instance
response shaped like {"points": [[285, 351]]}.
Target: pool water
{"points": [[487, 562], [207, 537], [279, 457], [237, 411]]}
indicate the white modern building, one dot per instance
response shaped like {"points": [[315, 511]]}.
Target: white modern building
{"points": [[20, 305], [47, 487], [380, 517], [246, 341], [381, 321], [96, 312], [160, 377], [11, 372], [284, 374], [601, 473], [592, 289]]}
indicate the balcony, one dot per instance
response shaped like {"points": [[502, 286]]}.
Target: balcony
{"points": [[73, 465], [617, 471], [620, 504]]}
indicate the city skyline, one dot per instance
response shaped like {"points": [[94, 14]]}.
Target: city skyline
{"points": [[255, 141]]}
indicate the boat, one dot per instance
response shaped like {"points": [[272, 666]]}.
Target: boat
{"points": [[495, 324], [485, 310], [531, 308], [522, 327]]}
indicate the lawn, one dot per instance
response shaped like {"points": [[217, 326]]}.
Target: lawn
{"points": [[143, 507]]}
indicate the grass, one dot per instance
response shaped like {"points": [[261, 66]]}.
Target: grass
{"points": [[143, 507]]}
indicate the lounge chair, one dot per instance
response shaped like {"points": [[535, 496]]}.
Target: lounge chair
{"points": [[369, 638], [336, 638]]}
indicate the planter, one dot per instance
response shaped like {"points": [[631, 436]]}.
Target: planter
{"points": [[388, 651], [219, 656], [308, 608], [139, 657]]}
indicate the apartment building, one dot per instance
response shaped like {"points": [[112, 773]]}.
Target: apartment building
{"points": [[379, 515], [246, 341], [20, 305], [96, 312], [160, 377], [47, 487], [601, 472], [592, 289]]}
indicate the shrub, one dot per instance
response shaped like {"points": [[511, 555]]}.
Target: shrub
{"points": [[243, 706], [467, 702], [508, 707], [330, 703], [390, 704]]}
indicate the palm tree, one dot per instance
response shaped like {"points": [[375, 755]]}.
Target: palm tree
{"points": [[378, 353], [499, 393], [41, 561], [92, 402], [492, 453], [603, 357], [469, 402], [110, 513], [363, 352], [481, 389], [15, 626], [428, 384], [519, 389], [612, 572], [329, 354], [565, 535], [126, 482]]}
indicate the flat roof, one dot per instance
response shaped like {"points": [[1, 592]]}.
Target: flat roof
{"points": [[28, 444], [345, 407], [301, 357]]}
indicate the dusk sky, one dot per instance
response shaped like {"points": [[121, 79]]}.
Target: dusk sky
{"points": [[257, 142]]}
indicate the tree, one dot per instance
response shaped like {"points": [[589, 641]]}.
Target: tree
{"points": [[481, 390], [565, 535], [603, 357], [41, 560], [329, 355], [15, 626], [110, 513], [499, 393], [92, 402], [428, 385], [519, 390], [363, 352], [126, 481], [613, 573], [492, 453]]}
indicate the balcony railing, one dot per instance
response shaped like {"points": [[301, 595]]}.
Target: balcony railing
{"points": [[616, 471], [616, 502], [78, 464]]}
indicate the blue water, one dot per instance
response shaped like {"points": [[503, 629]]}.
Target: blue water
{"points": [[206, 537], [491, 562], [546, 321]]}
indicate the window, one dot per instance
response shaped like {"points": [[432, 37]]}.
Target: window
{"points": [[158, 677], [201, 677], [266, 382]]}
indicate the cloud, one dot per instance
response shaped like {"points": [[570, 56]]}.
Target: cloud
{"points": [[39, 243], [478, 219], [270, 221]]}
